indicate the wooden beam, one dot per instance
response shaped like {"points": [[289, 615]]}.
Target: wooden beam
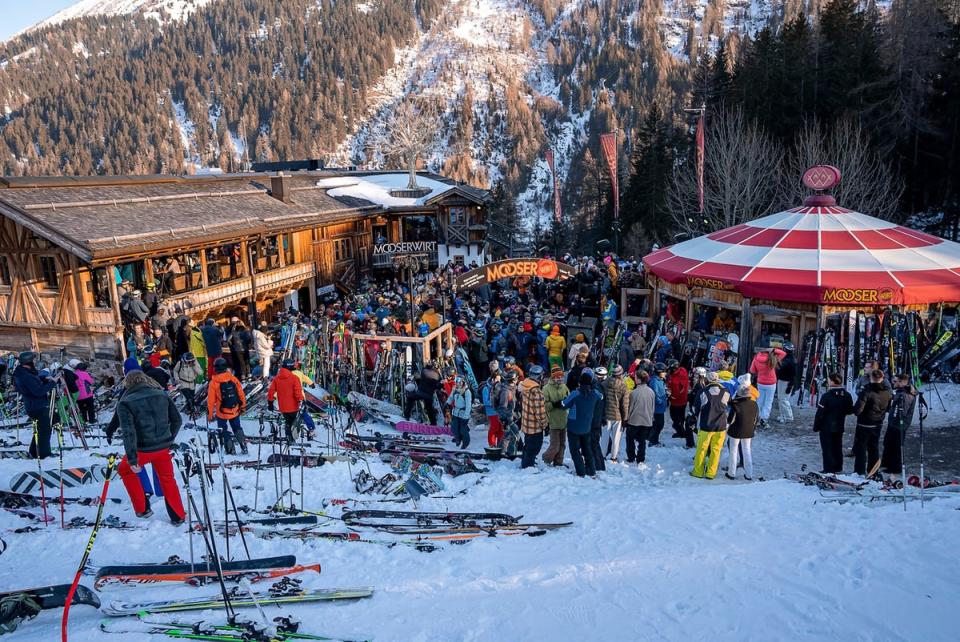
{"points": [[80, 308], [115, 305]]}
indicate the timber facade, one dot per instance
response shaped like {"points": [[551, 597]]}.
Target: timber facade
{"points": [[212, 246]]}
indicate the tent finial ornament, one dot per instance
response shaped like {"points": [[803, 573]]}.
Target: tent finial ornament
{"points": [[820, 178]]}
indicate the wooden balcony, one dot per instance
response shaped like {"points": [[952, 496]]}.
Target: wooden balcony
{"points": [[231, 292]]}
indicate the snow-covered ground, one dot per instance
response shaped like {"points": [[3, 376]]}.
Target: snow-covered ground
{"points": [[653, 555]]}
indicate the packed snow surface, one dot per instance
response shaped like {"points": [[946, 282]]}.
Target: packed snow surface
{"points": [[653, 554]]}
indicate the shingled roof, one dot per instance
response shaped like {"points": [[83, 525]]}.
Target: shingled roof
{"points": [[98, 217]]}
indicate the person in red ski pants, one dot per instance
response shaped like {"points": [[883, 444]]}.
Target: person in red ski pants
{"points": [[149, 422]]}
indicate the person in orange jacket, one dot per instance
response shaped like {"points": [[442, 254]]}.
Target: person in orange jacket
{"points": [[287, 390], [225, 403]]}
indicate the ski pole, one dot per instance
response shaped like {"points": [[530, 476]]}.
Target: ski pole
{"points": [[256, 484], [60, 442], [111, 461], [923, 415], [211, 543], [36, 448], [228, 493]]}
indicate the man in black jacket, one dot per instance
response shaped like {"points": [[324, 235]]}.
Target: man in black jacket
{"points": [[34, 390], [149, 422], [427, 385], [832, 410], [870, 410], [898, 421]]}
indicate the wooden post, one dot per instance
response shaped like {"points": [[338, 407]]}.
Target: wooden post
{"points": [[204, 277], [115, 305], [745, 355], [312, 288], [254, 315]]}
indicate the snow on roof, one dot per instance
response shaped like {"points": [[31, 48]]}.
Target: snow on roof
{"points": [[376, 188]]}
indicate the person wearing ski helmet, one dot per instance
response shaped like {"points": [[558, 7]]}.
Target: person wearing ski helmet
{"points": [[286, 390], [225, 403], [533, 416], [506, 409], [581, 403], [34, 393], [460, 402]]}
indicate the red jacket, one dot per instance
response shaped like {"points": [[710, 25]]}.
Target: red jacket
{"points": [[679, 385], [287, 390]]}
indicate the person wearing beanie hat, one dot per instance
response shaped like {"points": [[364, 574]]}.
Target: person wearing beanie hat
{"points": [[615, 410], [554, 392], [745, 381], [579, 343], [743, 422], [713, 428], [131, 364], [555, 344], [225, 403]]}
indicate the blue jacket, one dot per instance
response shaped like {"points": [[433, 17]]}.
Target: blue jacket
{"points": [[486, 396], [34, 391], [581, 416], [212, 340], [660, 395]]}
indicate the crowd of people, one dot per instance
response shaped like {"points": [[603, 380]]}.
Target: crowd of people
{"points": [[523, 364]]}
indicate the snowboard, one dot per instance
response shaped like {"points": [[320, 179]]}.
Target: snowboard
{"points": [[422, 429], [72, 477]]}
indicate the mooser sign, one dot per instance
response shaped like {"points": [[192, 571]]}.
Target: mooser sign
{"points": [[512, 268], [410, 247], [840, 296]]}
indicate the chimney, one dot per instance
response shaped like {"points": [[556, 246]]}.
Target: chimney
{"points": [[280, 187]]}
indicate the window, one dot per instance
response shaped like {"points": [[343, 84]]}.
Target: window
{"points": [[4, 271], [288, 249], [48, 272], [342, 250], [458, 216], [458, 260], [100, 286]]}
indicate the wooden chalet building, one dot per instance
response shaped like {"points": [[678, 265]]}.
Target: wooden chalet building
{"points": [[213, 245]]}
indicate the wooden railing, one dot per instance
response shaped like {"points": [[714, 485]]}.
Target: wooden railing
{"points": [[234, 290]]}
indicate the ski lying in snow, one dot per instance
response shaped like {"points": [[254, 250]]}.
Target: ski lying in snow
{"points": [[54, 596], [238, 599], [363, 517], [19, 500], [207, 631], [825, 481], [200, 576], [176, 571], [307, 460], [422, 429], [407, 530]]}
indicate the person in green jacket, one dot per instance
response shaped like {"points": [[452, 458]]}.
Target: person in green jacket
{"points": [[554, 392]]}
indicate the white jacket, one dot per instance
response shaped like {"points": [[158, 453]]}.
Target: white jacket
{"points": [[262, 343]]}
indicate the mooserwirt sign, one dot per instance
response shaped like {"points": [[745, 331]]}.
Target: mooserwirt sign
{"points": [[400, 249], [512, 268]]}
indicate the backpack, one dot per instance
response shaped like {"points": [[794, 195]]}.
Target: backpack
{"points": [[229, 395]]}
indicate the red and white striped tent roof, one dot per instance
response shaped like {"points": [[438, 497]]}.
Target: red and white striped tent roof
{"points": [[818, 253]]}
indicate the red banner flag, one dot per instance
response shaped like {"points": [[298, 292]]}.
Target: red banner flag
{"points": [[701, 148], [609, 144], [556, 187]]}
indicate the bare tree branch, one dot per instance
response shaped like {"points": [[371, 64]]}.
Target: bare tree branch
{"points": [[869, 185], [742, 175], [409, 133]]}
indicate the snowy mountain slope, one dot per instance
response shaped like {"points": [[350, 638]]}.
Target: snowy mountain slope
{"points": [[174, 9], [476, 47]]}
